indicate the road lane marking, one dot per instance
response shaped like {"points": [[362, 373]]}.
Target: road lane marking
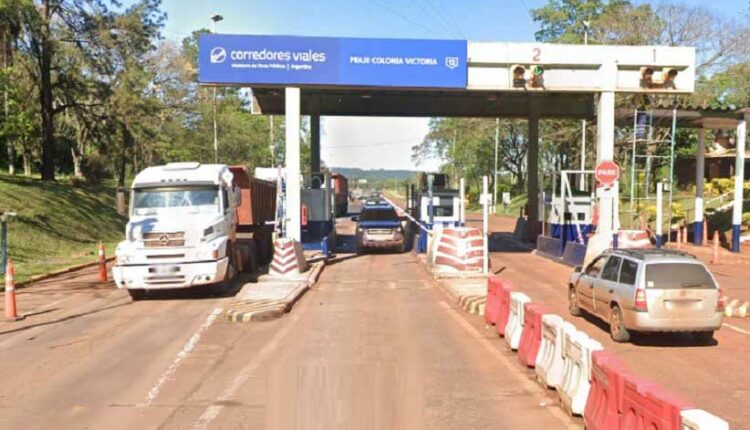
{"points": [[735, 328], [510, 366], [181, 356], [213, 411]]}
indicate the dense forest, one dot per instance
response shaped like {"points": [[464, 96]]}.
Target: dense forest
{"points": [[91, 89]]}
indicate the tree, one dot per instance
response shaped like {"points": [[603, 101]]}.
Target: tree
{"points": [[11, 13], [562, 21], [468, 146]]}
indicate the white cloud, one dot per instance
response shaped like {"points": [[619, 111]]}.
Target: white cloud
{"points": [[373, 142]]}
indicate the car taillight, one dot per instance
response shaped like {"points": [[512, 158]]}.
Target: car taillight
{"points": [[720, 303], [640, 300]]}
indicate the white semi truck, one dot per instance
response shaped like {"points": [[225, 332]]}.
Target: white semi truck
{"points": [[183, 229]]}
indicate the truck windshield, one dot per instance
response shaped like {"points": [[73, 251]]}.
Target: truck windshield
{"points": [[186, 199], [668, 276]]}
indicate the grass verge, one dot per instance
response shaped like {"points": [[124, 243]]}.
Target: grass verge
{"points": [[57, 225]]}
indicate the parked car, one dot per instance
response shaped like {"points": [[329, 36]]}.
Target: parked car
{"points": [[648, 290], [379, 227]]}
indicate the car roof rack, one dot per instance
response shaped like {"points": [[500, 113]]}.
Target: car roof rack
{"points": [[647, 253]]}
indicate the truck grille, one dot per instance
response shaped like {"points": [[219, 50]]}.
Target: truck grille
{"points": [[165, 280], [163, 240]]}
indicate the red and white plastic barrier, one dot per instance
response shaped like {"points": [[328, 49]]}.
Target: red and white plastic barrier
{"points": [[574, 390], [492, 304], [645, 405], [604, 404], [549, 363], [590, 381], [514, 328], [633, 239], [503, 307], [531, 338], [698, 419]]}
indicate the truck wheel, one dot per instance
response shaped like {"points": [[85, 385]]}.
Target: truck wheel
{"points": [[230, 274], [137, 294], [617, 330]]}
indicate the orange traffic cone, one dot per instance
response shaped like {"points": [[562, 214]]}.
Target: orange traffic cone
{"points": [[102, 264], [10, 291], [705, 232], [715, 258]]}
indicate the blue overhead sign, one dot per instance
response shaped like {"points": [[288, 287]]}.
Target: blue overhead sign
{"points": [[292, 60]]}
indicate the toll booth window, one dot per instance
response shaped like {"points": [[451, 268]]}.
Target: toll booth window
{"points": [[446, 211], [378, 215]]}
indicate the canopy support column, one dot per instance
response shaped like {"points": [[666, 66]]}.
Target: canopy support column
{"points": [[292, 97]]}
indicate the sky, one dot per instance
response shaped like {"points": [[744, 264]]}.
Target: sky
{"points": [[375, 142]]}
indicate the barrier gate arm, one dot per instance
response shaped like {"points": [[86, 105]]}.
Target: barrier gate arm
{"points": [[428, 231]]}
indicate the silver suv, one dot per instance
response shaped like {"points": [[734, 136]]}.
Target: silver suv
{"points": [[648, 290]]}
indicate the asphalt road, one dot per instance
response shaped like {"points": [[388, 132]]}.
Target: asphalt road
{"points": [[373, 345]]}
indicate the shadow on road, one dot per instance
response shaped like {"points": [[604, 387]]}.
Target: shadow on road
{"points": [[505, 242], [661, 340], [64, 319]]}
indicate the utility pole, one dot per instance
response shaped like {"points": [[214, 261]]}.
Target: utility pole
{"points": [[582, 179], [453, 152], [494, 183], [271, 142], [214, 19]]}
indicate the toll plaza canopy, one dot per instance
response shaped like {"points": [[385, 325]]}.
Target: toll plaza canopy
{"points": [[295, 75]]}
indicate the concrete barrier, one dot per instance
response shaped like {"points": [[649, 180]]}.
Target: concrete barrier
{"points": [[574, 254], [514, 328], [550, 247], [458, 249], [288, 259]]}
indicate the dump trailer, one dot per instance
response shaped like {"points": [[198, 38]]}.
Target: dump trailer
{"points": [[256, 214], [192, 225], [341, 193]]}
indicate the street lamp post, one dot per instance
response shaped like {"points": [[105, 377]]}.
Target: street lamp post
{"points": [[494, 180], [214, 19], [582, 179]]}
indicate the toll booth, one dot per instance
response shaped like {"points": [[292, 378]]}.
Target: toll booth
{"points": [[318, 221], [435, 205], [569, 212]]}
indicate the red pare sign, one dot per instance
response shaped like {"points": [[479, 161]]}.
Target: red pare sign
{"points": [[607, 172]]}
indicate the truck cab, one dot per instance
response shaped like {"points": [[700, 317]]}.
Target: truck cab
{"points": [[182, 229]]}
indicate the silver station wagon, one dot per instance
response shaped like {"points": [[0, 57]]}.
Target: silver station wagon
{"points": [[648, 290]]}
